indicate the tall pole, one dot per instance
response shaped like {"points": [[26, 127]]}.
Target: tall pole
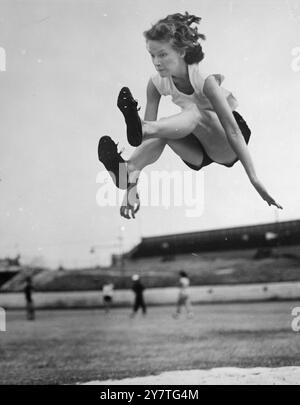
{"points": [[277, 227], [122, 267]]}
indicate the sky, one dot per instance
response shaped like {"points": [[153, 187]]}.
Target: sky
{"points": [[62, 64]]}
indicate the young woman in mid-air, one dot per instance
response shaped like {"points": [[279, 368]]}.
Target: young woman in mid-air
{"points": [[208, 129]]}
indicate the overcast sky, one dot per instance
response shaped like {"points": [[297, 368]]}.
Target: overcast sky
{"points": [[65, 63]]}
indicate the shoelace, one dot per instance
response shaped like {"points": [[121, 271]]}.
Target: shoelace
{"points": [[121, 150], [136, 105]]}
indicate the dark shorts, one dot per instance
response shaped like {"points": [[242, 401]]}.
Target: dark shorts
{"points": [[207, 160], [107, 298]]}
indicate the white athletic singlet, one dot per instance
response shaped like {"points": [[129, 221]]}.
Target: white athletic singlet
{"points": [[108, 290], [198, 73], [184, 284]]}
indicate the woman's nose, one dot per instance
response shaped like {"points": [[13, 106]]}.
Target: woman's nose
{"points": [[156, 61]]}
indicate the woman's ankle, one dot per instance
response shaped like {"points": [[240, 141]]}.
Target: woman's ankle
{"points": [[133, 172]]}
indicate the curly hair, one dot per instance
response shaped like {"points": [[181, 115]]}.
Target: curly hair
{"points": [[177, 29]]}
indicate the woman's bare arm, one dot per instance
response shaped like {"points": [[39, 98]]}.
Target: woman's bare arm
{"points": [[153, 99], [235, 138]]}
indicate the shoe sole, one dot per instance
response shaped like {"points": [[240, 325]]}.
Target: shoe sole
{"points": [[106, 154], [126, 105], [105, 147]]}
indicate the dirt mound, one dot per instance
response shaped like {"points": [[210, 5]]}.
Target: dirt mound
{"points": [[216, 376]]}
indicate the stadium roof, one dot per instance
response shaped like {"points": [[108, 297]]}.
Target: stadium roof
{"points": [[242, 237]]}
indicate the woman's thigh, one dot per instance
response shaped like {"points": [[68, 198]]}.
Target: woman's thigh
{"points": [[213, 138], [188, 149]]}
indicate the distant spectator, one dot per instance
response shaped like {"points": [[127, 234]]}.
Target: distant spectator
{"points": [[28, 289], [108, 292], [183, 295], [138, 289]]}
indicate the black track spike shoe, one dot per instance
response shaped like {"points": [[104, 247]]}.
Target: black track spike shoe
{"points": [[128, 106], [114, 163]]}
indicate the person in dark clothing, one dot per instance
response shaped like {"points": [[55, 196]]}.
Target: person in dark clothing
{"points": [[107, 291], [138, 289], [30, 313]]}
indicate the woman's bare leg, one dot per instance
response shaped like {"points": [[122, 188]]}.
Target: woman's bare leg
{"points": [[188, 307], [187, 148], [175, 127], [147, 153]]}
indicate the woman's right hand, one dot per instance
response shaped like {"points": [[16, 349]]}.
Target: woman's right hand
{"points": [[260, 188]]}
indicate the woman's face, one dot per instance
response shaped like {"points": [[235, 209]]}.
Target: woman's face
{"points": [[166, 60]]}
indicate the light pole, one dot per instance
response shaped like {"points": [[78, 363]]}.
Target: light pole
{"points": [[121, 250], [277, 227]]}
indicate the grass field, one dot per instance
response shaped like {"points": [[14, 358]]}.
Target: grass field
{"points": [[65, 347]]}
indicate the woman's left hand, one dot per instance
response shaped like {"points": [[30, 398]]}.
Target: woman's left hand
{"points": [[264, 194], [130, 204]]}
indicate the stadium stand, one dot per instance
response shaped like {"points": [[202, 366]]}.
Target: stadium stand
{"points": [[245, 237]]}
